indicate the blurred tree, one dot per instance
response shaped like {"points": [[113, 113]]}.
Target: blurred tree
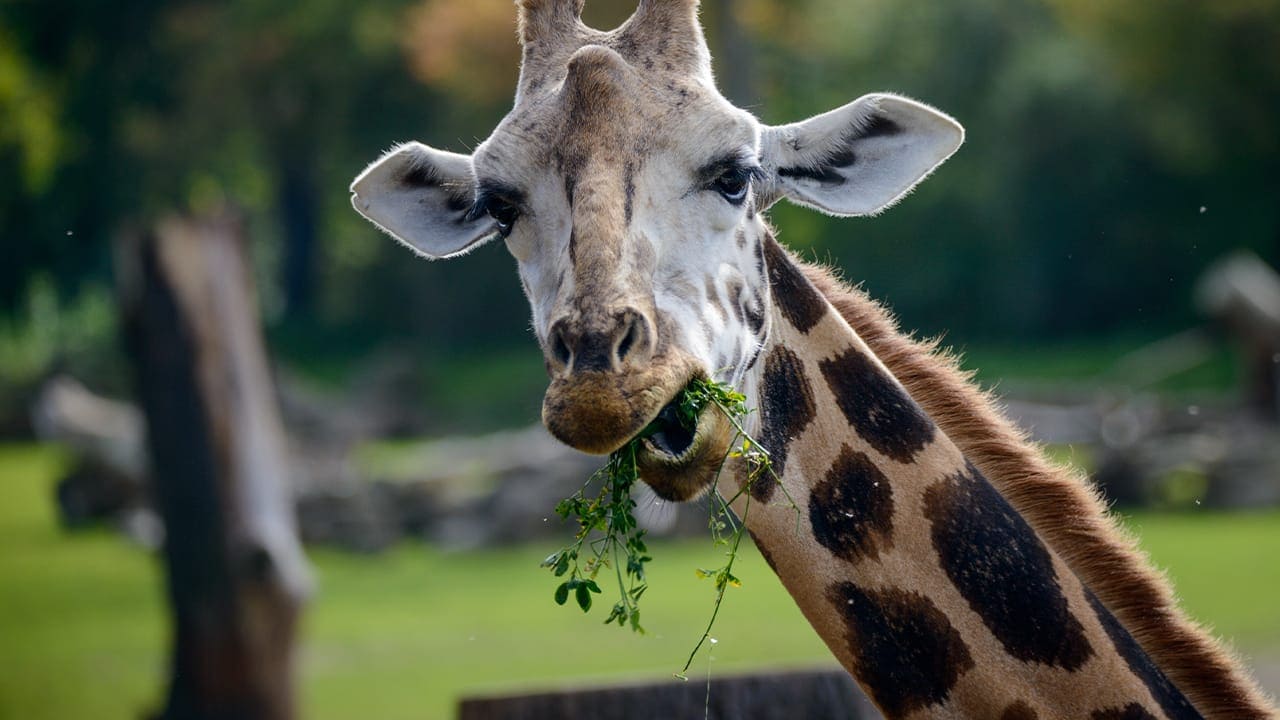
{"points": [[1060, 216], [236, 573], [1097, 133], [173, 105]]}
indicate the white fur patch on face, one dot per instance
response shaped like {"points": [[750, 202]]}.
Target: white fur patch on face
{"points": [[686, 250], [705, 273], [540, 245]]}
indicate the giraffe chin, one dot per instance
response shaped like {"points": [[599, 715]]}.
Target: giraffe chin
{"points": [[693, 468]]}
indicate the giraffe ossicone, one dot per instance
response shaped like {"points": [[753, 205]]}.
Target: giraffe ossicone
{"points": [[936, 562]]}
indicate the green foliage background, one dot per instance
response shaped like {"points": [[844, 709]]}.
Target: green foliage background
{"points": [[1113, 151]]}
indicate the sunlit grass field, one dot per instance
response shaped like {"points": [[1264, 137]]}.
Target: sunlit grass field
{"points": [[404, 634]]}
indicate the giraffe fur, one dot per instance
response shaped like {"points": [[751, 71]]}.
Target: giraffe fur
{"points": [[947, 565]]}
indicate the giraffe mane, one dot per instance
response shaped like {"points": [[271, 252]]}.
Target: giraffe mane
{"points": [[1059, 503]]}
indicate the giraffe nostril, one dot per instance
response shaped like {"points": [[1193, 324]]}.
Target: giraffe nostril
{"points": [[559, 348], [627, 342], [633, 341]]}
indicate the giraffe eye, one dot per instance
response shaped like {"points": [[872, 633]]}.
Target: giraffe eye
{"points": [[503, 213], [733, 184]]}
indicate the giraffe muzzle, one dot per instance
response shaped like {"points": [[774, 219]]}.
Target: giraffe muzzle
{"points": [[599, 412], [606, 388], [600, 342]]}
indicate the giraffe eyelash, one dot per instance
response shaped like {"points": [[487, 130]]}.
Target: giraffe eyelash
{"points": [[734, 181], [501, 202]]}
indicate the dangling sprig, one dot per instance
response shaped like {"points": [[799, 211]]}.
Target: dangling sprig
{"points": [[608, 536]]}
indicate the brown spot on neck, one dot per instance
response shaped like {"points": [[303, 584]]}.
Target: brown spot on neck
{"points": [[786, 409], [905, 652], [794, 296], [1004, 572], [877, 408], [851, 508], [1059, 504]]}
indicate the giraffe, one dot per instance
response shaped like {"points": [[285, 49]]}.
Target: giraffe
{"points": [[949, 568]]}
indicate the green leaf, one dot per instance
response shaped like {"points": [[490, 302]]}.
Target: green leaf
{"points": [[615, 614], [584, 597], [562, 593]]}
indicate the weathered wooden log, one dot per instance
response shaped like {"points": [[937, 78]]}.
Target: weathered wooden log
{"points": [[109, 442], [1242, 293], [813, 695], [237, 576]]}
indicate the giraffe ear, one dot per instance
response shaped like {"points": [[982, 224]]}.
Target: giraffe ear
{"points": [[423, 197], [858, 159]]}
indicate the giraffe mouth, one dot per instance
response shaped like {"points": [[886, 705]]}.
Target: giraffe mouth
{"points": [[669, 436], [680, 462]]}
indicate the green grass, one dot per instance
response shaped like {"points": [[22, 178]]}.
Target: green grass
{"points": [[81, 616], [402, 635]]}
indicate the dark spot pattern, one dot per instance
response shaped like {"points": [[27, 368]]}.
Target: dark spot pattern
{"points": [[1132, 711], [419, 176], [570, 165], [842, 159], [629, 189], [786, 409], [713, 299], [878, 126], [1003, 571], [877, 407], [1019, 711], [905, 652], [458, 202], [1171, 700], [798, 300], [570, 185], [754, 309], [826, 170], [851, 508], [823, 174], [733, 289]]}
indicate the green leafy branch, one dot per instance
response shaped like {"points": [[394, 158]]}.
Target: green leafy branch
{"points": [[607, 531], [608, 535], [743, 447]]}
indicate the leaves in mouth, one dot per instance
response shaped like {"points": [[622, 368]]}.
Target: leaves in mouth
{"points": [[608, 536]]}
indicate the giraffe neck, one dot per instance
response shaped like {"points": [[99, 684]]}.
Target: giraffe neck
{"points": [[931, 590]]}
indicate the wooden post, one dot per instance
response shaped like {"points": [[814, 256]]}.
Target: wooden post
{"points": [[812, 695], [237, 575]]}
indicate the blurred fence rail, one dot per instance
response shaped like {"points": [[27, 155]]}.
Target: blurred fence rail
{"points": [[811, 694]]}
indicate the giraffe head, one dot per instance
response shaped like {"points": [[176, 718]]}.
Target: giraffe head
{"points": [[629, 192]]}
